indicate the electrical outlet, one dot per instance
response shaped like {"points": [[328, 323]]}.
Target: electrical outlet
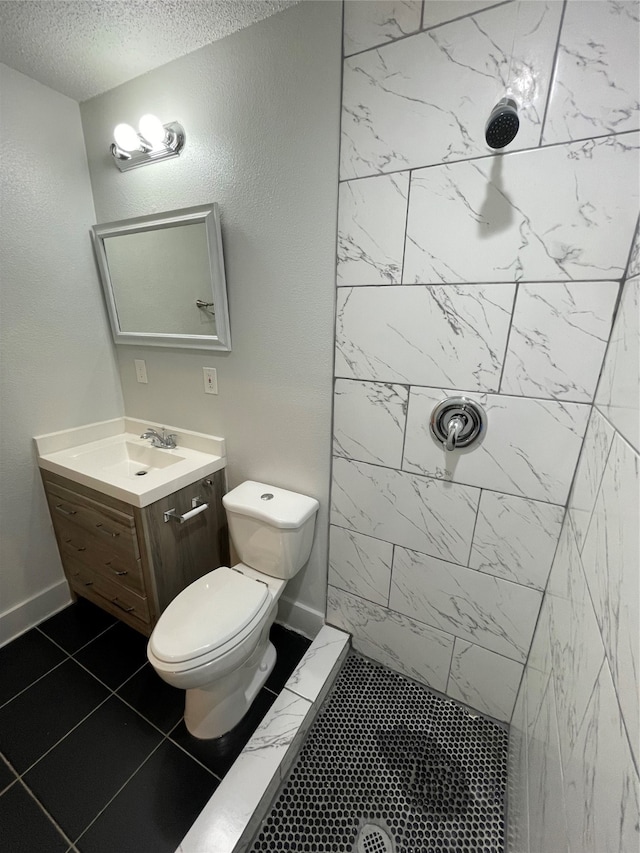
{"points": [[210, 380], [141, 370]]}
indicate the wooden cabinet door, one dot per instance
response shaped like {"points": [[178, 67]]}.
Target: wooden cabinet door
{"points": [[182, 553]]}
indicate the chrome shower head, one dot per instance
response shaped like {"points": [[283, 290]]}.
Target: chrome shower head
{"points": [[503, 124]]}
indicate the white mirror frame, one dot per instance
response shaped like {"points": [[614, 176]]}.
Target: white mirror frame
{"points": [[208, 215]]}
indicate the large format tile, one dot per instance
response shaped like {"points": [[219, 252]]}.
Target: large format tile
{"points": [[492, 613], [372, 214], [428, 335], [155, 808], [360, 564], [577, 651], [538, 665], [517, 829], [290, 647], [368, 23], [543, 215], [404, 645], [99, 755], [425, 99], [77, 625], [368, 421], [484, 680], [530, 447], [596, 87], [600, 780], [438, 12], [558, 337], [25, 826], [24, 660], [515, 538], [419, 512], [593, 458], [36, 719], [618, 395], [611, 556], [547, 810], [157, 701], [115, 655]]}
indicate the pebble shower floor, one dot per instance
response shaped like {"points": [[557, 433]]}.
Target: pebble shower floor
{"points": [[390, 767]]}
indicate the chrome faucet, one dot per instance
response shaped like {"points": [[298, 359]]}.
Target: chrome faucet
{"points": [[167, 441]]}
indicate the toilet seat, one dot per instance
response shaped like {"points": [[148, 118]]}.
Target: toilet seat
{"points": [[208, 619]]}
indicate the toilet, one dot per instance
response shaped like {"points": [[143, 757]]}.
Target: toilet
{"points": [[213, 639]]}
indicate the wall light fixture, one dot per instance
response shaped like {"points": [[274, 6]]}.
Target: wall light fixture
{"points": [[152, 142]]}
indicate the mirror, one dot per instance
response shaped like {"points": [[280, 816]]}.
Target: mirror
{"points": [[163, 279]]}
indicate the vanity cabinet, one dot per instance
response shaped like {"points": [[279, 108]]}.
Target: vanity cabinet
{"points": [[129, 560]]}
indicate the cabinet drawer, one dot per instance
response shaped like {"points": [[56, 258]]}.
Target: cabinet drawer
{"points": [[79, 545], [112, 596], [107, 524]]}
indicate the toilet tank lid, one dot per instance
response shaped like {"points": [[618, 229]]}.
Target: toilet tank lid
{"points": [[277, 507]]}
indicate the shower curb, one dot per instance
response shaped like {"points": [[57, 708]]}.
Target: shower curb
{"points": [[229, 820]]}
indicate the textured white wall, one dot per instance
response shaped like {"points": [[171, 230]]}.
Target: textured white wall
{"points": [[261, 112], [58, 367]]}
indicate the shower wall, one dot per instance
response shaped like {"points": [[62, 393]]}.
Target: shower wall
{"points": [[575, 734], [461, 271]]}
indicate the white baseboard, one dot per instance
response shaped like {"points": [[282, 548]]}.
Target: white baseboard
{"points": [[299, 617], [28, 613]]}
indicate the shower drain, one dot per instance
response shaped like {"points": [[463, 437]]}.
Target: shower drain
{"points": [[373, 839]]}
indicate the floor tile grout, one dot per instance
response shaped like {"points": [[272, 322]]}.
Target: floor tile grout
{"points": [[46, 812]]}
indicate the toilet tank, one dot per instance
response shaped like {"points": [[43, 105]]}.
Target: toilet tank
{"points": [[271, 528]]}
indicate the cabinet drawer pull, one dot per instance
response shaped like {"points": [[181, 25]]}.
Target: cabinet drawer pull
{"points": [[106, 531], [88, 583], [122, 606], [64, 511], [75, 547], [120, 574]]}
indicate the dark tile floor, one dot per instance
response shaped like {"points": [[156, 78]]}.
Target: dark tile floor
{"points": [[94, 754]]}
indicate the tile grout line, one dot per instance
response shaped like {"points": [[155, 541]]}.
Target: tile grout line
{"points": [[554, 69], [24, 689], [106, 806], [508, 341], [421, 29], [431, 627], [46, 812], [472, 159]]}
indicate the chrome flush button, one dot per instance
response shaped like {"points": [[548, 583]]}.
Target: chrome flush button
{"points": [[266, 497]]}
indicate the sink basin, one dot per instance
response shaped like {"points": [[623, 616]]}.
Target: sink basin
{"points": [[123, 458], [110, 457]]}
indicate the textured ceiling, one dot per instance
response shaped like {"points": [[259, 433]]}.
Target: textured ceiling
{"points": [[85, 47]]}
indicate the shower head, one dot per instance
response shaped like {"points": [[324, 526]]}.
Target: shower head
{"points": [[503, 124]]}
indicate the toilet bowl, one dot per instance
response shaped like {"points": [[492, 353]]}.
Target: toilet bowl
{"points": [[213, 639]]}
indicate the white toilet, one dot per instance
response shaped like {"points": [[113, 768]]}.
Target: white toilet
{"points": [[213, 639]]}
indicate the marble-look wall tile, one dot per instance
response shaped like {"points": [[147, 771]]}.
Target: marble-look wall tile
{"points": [[530, 447], [618, 395], [596, 87], [517, 829], [538, 669], [403, 644], [577, 651], [369, 420], [593, 458], [425, 99], [417, 512], [426, 335], [547, 811], [600, 781], [368, 23], [515, 538], [634, 257], [314, 672], [492, 613], [558, 337], [611, 556], [438, 12], [371, 219], [359, 564], [484, 680], [540, 215]]}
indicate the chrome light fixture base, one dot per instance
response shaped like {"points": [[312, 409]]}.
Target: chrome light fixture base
{"points": [[126, 160]]}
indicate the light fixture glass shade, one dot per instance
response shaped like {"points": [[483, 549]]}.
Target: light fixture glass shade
{"points": [[152, 129], [126, 138]]}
